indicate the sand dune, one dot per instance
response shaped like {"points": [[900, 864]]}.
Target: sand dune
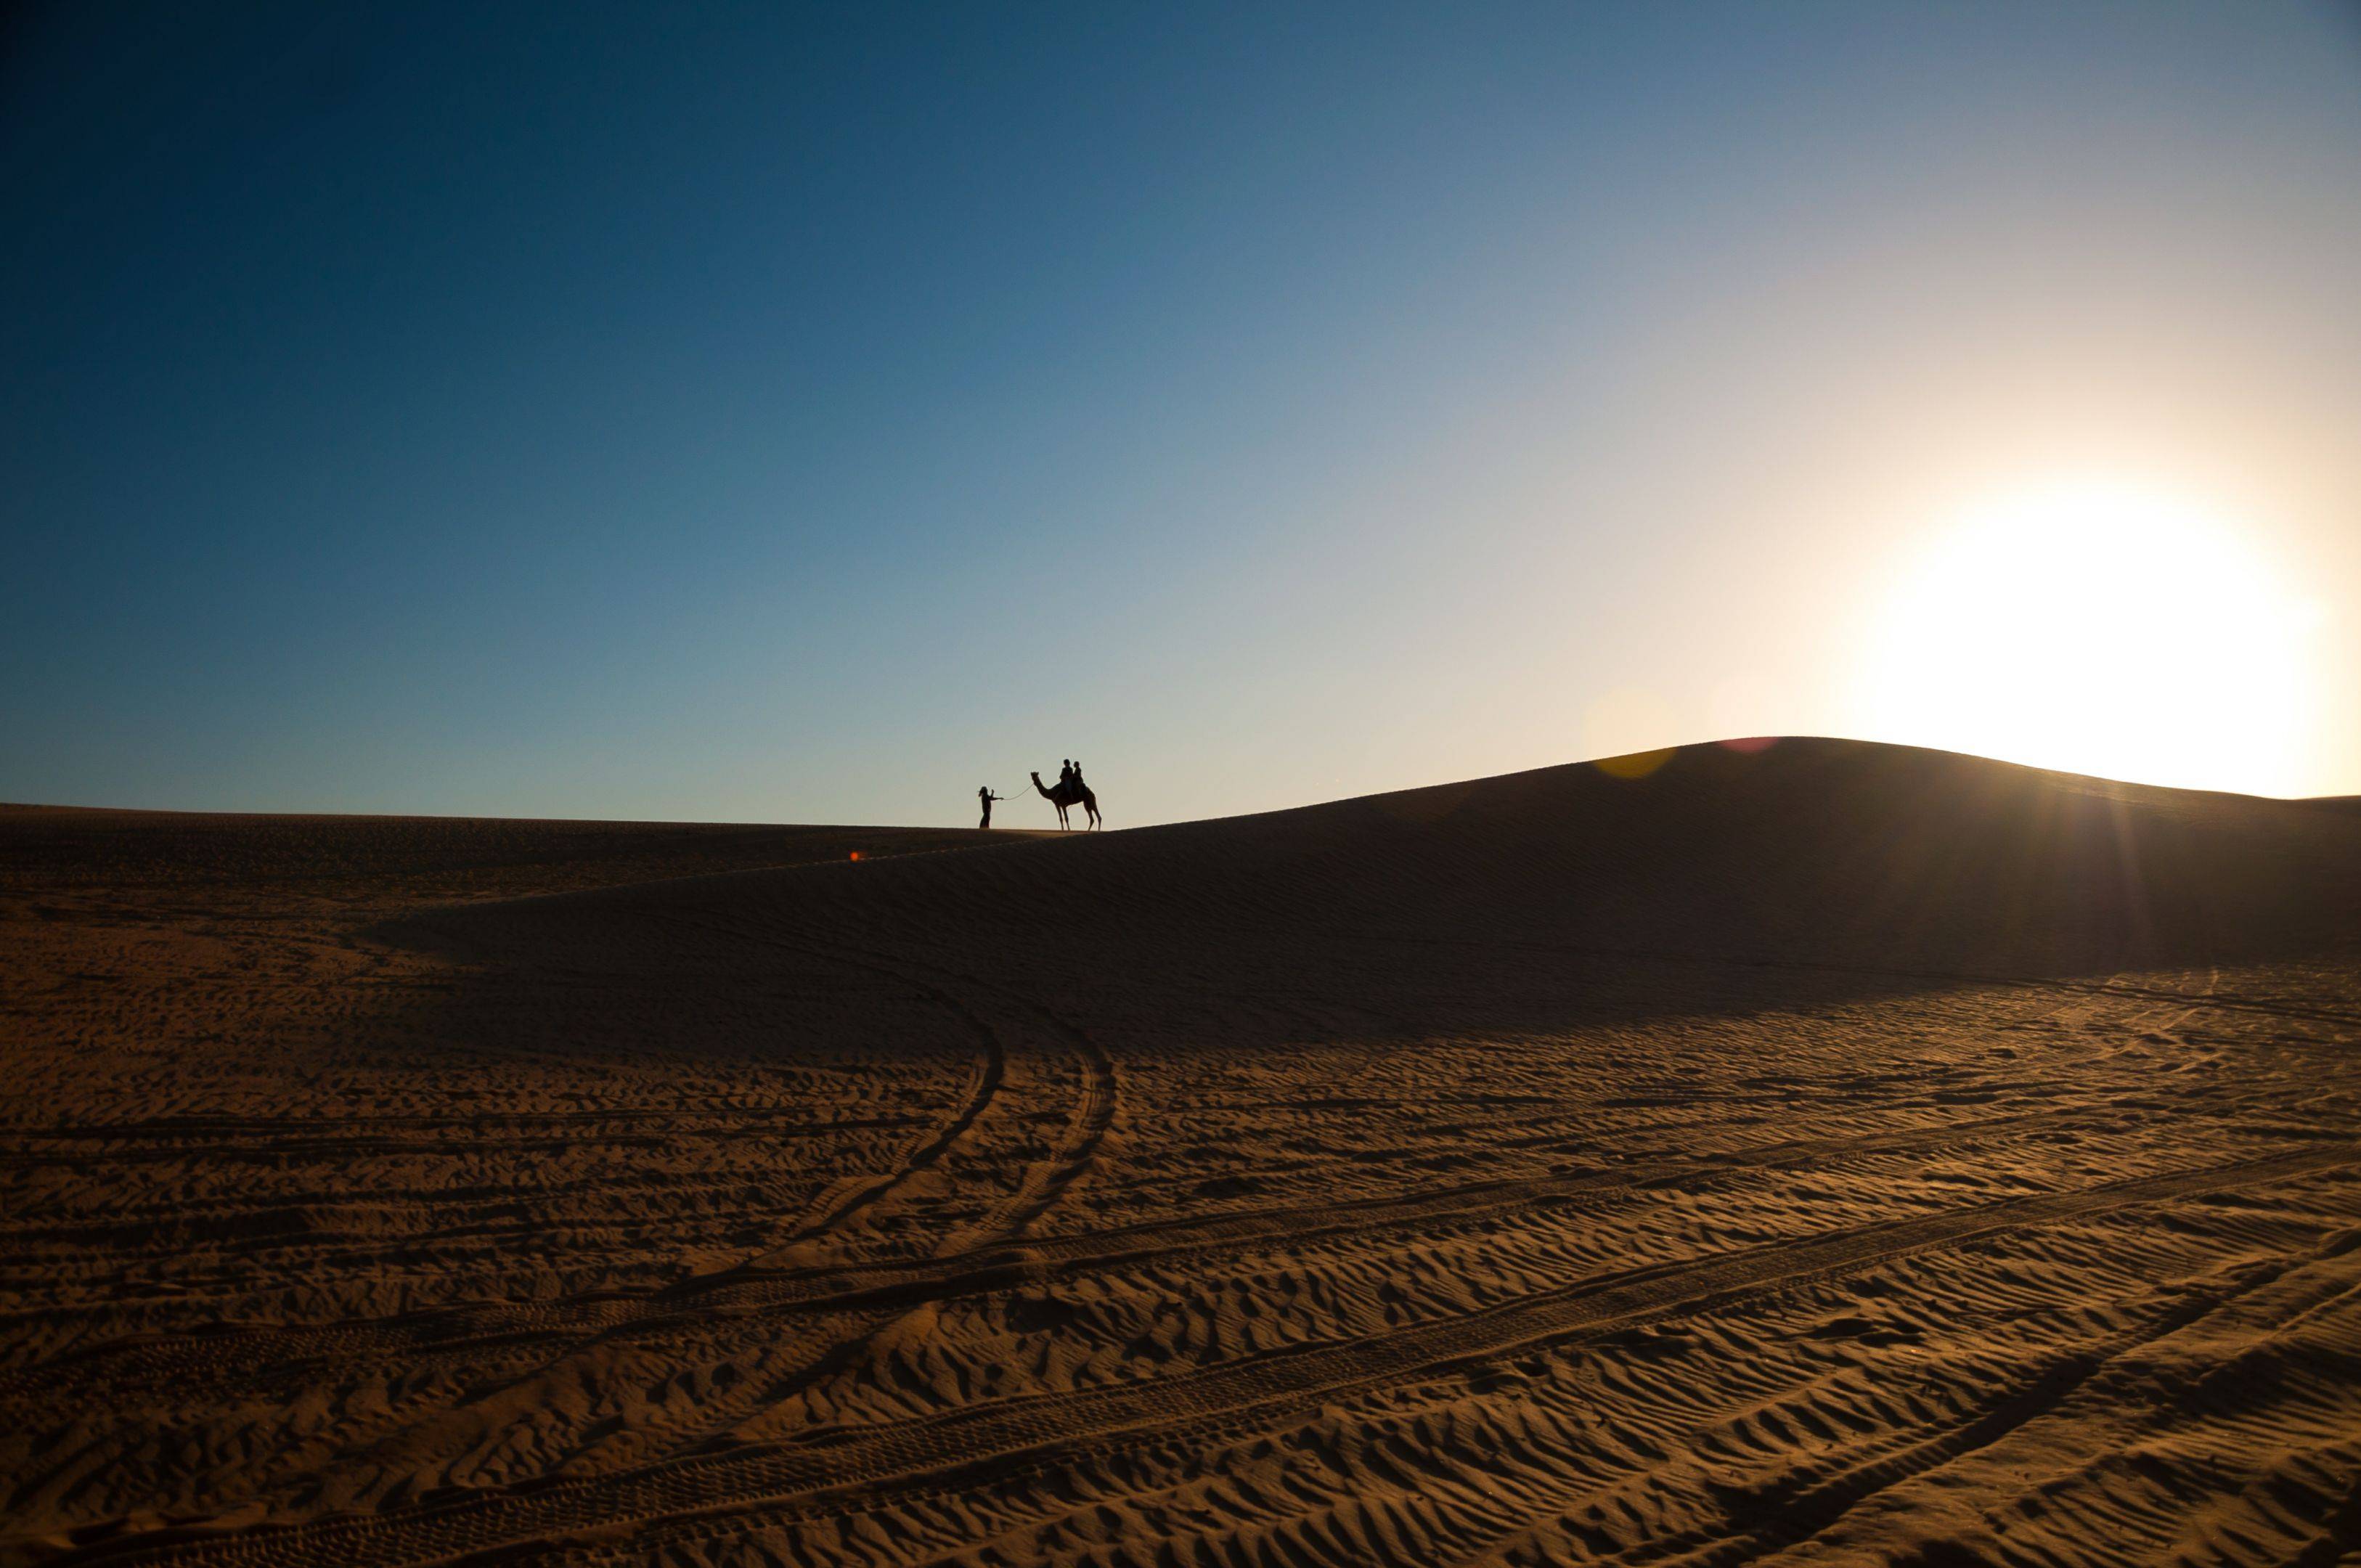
{"points": [[1834, 1153]]}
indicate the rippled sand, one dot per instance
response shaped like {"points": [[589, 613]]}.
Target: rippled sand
{"points": [[1833, 1154]]}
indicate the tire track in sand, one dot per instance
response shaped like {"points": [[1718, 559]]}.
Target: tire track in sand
{"points": [[565, 1328], [833, 1210], [1090, 1114], [1093, 1112], [761, 1289], [827, 1339], [770, 1280], [1804, 1504], [822, 1341], [416, 1442], [1088, 1117], [866, 1470]]}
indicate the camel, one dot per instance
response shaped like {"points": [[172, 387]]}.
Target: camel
{"points": [[1066, 796]]}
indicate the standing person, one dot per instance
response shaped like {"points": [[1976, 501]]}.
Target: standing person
{"points": [[986, 796]]}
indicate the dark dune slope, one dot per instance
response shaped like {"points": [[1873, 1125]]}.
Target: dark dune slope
{"points": [[1838, 852], [59, 853]]}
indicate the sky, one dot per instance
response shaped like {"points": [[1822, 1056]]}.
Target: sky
{"points": [[768, 413]]}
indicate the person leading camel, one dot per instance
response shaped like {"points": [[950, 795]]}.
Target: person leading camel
{"points": [[986, 796]]}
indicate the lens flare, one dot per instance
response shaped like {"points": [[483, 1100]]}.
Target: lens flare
{"points": [[1634, 764], [1626, 730]]}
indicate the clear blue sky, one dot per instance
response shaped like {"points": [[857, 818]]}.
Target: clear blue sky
{"points": [[759, 412]]}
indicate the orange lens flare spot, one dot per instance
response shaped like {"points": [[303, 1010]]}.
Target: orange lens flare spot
{"points": [[1634, 764], [856, 854]]}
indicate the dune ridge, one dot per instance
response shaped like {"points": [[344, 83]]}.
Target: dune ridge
{"points": [[1833, 1152]]}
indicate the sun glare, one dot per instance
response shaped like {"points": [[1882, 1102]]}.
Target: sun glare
{"points": [[2102, 631]]}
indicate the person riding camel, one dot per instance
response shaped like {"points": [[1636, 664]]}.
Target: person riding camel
{"points": [[1070, 790]]}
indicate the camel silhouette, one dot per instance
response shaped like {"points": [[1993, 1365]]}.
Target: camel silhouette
{"points": [[1066, 796]]}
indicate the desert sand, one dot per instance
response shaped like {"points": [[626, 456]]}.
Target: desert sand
{"points": [[1830, 1153]]}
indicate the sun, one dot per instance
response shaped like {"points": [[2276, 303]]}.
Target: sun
{"points": [[2096, 628]]}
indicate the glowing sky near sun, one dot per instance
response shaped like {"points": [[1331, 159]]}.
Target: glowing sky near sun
{"points": [[786, 416], [2097, 629]]}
